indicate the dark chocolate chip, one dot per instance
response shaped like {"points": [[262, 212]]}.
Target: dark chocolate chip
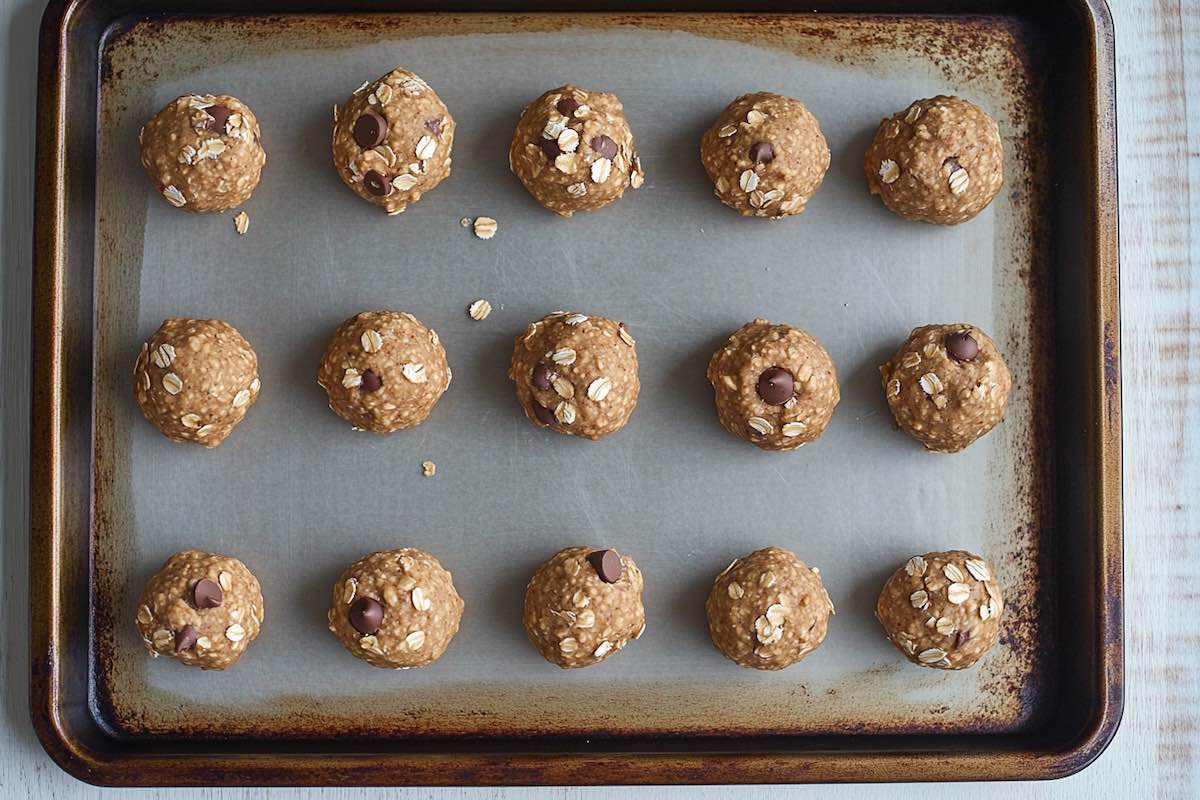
{"points": [[960, 638], [544, 415], [371, 381], [219, 117], [607, 564], [762, 153], [775, 385], [961, 346], [186, 638], [377, 183], [434, 126], [550, 148], [541, 376], [366, 615], [566, 106], [370, 130], [207, 594], [604, 146]]}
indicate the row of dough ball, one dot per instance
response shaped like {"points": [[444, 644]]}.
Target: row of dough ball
{"points": [[939, 160], [399, 609], [775, 386]]}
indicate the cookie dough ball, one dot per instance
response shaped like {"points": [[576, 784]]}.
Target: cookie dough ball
{"points": [[766, 155], [384, 371], [768, 610], [201, 609], [775, 385], [573, 150], [576, 374], [396, 609], [195, 379], [583, 605], [203, 152], [947, 385], [942, 610], [392, 140], [940, 161]]}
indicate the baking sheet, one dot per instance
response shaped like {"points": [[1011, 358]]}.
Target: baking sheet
{"points": [[297, 495]]}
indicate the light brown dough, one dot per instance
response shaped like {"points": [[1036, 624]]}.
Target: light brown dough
{"points": [[943, 401], [410, 153], [766, 155], [207, 626], [395, 609], [768, 610], [577, 374], [573, 616], [761, 359], [573, 150], [384, 371], [940, 160], [195, 379], [203, 152], [942, 609]]}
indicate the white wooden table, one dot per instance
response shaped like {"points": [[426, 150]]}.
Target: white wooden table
{"points": [[1156, 753]]}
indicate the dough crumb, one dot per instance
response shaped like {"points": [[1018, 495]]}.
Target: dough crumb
{"points": [[485, 227], [241, 223], [465, 222], [479, 310], [428, 469]]}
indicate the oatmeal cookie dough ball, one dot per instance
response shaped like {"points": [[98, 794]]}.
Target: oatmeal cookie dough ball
{"points": [[768, 610], [392, 140], [576, 374], [766, 155], [942, 610], [384, 371], [195, 379], [775, 385], [201, 609], [583, 605], [574, 151], [939, 161], [203, 152], [947, 385]]}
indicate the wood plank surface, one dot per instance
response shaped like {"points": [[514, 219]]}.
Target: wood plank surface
{"points": [[1156, 751]]}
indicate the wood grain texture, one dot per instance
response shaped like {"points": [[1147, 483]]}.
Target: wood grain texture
{"points": [[1155, 753]]}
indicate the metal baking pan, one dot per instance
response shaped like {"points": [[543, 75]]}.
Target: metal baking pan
{"points": [[297, 495]]}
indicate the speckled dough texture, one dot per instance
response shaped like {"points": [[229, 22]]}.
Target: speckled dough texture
{"points": [[736, 369], [421, 608], [766, 155], [217, 636], [942, 610], [384, 371], [940, 160], [411, 153], [202, 162], [574, 618], [577, 374], [573, 150], [768, 610], [195, 379], [944, 402]]}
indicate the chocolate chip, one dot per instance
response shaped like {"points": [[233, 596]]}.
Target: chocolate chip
{"points": [[541, 376], [961, 346], [960, 638], [371, 381], [544, 415], [207, 594], [219, 118], [604, 146], [186, 638], [762, 153], [366, 615], [370, 130], [377, 183], [775, 385], [550, 148], [607, 564], [434, 126], [566, 106]]}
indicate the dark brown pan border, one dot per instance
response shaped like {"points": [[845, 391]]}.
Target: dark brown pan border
{"points": [[1087, 476]]}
